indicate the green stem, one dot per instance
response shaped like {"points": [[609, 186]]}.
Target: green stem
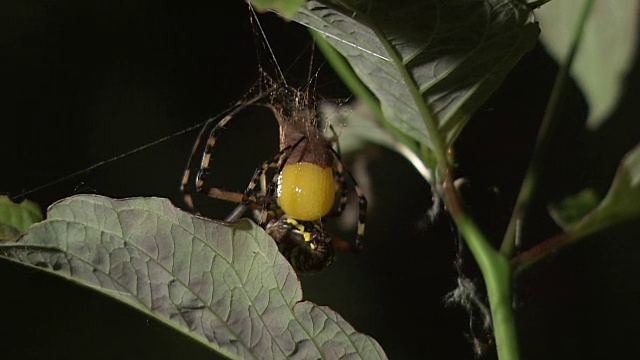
{"points": [[550, 122], [497, 273], [540, 251]]}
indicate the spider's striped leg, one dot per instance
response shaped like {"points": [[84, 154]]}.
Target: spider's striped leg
{"points": [[254, 201], [203, 166], [362, 203], [201, 170], [277, 162], [186, 177], [280, 160], [341, 188], [338, 173], [249, 197]]}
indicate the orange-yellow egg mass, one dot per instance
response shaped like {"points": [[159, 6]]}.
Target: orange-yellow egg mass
{"points": [[306, 191]]}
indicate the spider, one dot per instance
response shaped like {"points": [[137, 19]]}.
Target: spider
{"points": [[308, 176]]}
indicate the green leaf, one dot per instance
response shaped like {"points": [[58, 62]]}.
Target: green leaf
{"points": [[225, 285], [622, 202], [606, 53], [15, 219], [285, 7], [430, 63], [573, 208]]}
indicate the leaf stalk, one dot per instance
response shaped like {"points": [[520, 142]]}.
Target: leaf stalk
{"points": [[550, 122]]}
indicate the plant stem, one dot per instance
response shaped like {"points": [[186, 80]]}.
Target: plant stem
{"points": [[540, 251], [497, 273], [550, 122]]}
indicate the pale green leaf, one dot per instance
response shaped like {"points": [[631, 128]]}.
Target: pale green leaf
{"points": [[622, 202], [606, 52], [355, 126], [427, 62], [226, 286], [15, 219], [573, 208]]}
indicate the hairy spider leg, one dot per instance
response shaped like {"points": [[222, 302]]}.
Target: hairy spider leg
{"points": [[260, 174], [341, 187], [211, 137], [362, 202], [338, 168]]}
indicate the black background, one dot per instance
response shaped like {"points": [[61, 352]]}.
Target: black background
{"points": [[85, 81]]}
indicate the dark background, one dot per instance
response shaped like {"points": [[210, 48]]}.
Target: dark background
{"points": [[85, 81]]}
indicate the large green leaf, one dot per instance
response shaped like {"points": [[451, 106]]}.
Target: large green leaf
{"points": [[429, 61], [606, 53], [226, 286], [15, 219], [622, 202]]}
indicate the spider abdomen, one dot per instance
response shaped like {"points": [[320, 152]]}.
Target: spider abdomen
{"points": [[306, 191]]}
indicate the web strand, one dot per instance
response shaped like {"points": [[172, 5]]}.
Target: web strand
{"points": [[257, 28], [261, 42], [108, 161]]}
